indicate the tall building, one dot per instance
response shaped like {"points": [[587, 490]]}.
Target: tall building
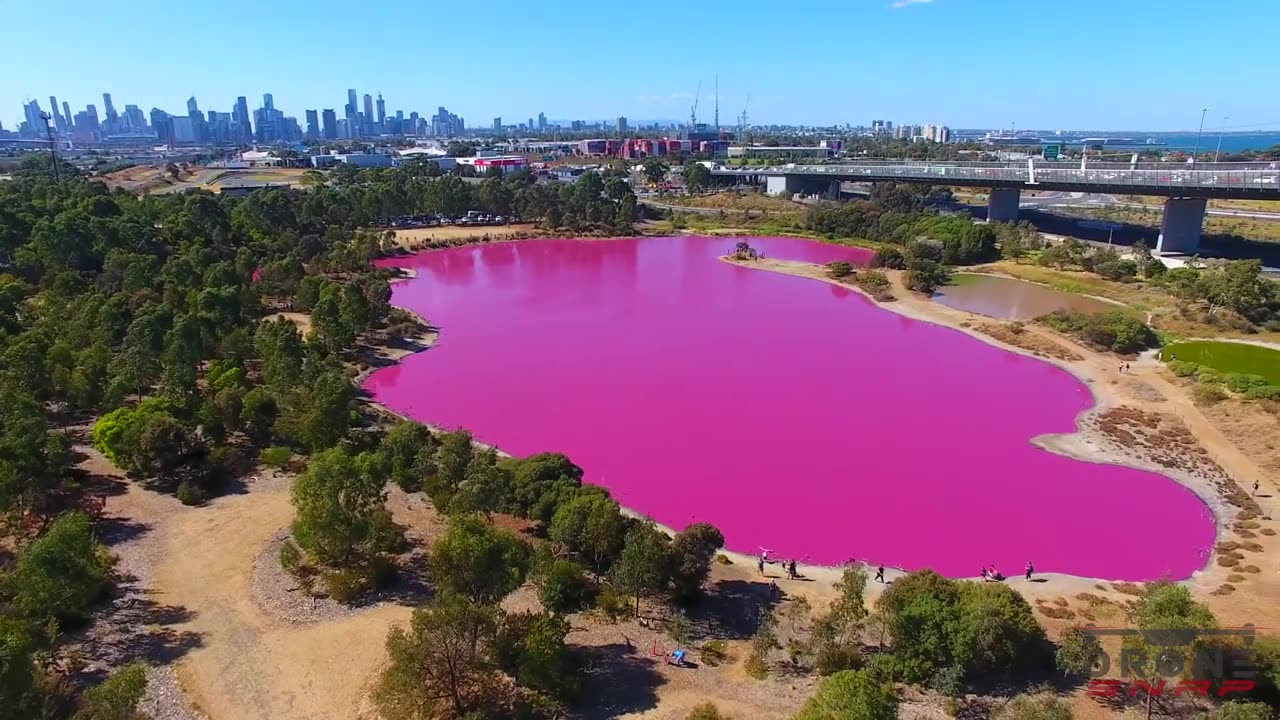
{"points": [[542, 122], [160, 124], [33, 121], [66, 115], [313, 125], [59, 120], [944, 134], [497, 124], [192, 105], [243, 124], [382, 113], [112, 124], [368, 114], [91, 119], [330, 123], [622, 126], [134, 121]]}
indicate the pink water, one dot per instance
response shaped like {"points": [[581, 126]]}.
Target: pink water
{"points": [[793, 414]]}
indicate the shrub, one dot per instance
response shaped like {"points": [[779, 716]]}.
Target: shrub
{"points": [[706, 711], [382, 572], [1209, 394], [1264, 392], [889, 257], [61, 574], [291, 558], [613, 604], [1243, 383], [564, 587], [1183, 368], [190, 493], [948, 681], [714, 652], [117, 697], [1042, 706], [839, 269], [346, 585], [851, 694], [1114, 330], [925, 276], [875, 283], [277, 456]]}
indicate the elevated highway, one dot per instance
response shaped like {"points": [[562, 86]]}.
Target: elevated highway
{"points": [[1187, 187]]}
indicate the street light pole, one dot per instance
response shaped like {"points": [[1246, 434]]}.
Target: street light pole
{"points": [[1199, 132], [1220, 131]]}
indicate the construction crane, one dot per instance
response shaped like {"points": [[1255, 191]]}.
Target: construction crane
{"points": [[693, 111], [742, 119]]}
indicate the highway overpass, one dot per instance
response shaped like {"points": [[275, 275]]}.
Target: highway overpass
{"points": [[1187, 187]]}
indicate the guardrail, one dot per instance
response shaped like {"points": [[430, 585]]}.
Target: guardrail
{"points": [[1177, 176]]}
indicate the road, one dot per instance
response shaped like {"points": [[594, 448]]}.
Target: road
{"points": [[1067, 199]]}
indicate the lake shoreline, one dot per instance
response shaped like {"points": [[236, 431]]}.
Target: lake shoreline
{"points": [[1078, 445]]}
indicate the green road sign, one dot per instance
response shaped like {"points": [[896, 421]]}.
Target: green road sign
{"points": [[1051, 152]]}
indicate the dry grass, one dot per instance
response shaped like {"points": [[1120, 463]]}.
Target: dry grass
{"points": [[1224, 589], [1128, 588], [1236, 578], [1057, 613], [1251, 569], [1014, 335]]}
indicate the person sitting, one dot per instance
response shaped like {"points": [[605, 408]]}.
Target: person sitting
{"points": [[984, 575], [676, 658]]}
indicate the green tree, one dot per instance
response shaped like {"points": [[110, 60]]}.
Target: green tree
{"points": [[319, 414], [591, 525], [478, 561], [1237, 710], [851, 695], [440, 663], [655, 170], [339, 507], [118, 696], [1077, 652], [61, 574], [563, 586], [692, 551], [20, 696], [697, 177], [329, 328], [453, 457], [645, 563], [925, 276], [410, 449], [531, 648]]}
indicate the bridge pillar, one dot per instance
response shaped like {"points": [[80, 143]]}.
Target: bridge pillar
{"points": [[1002, 204], [1180, 226], [782, 185]]}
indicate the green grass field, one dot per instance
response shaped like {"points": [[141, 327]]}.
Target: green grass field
{"points": [[1230, 357]]}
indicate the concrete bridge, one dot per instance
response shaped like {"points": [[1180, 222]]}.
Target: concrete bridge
{"points": [[1188, 187]]}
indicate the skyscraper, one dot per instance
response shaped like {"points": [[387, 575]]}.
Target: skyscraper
{"points": [[542, 122], [368, 109], [59, 121], [34, 122], [192, 105], [351, 111], [268, 102], [66, 114], [313, 125], [622, 125], [497, 124], [244, 126], [113, 120], [382, 113], [330, 124]]}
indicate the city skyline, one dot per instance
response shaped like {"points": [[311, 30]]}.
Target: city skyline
{"points": [[989, 67]]}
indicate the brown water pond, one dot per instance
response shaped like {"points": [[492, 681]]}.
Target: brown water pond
{"points": [[1011, 299]]}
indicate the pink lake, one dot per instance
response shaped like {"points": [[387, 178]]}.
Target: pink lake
{"points": [[792, 414]]}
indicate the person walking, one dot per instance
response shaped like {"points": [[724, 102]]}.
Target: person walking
{"points": [[760, 564], [1255, 487], [880, 574], [1030, 569]]}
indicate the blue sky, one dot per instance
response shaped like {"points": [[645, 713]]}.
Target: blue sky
{"points": [[1087, 64]]}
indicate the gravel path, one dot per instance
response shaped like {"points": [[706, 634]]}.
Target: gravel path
{"points": [[135, 624]]}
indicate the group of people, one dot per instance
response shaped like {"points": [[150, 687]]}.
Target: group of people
{"points": [[991, 574], [789, 568]]}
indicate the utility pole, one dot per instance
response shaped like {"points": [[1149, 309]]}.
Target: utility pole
{"points": [[1199, 132], [53, 146], [1221, 130]]}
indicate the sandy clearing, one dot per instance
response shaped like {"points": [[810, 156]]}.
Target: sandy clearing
{"points": [[415, 238]]}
